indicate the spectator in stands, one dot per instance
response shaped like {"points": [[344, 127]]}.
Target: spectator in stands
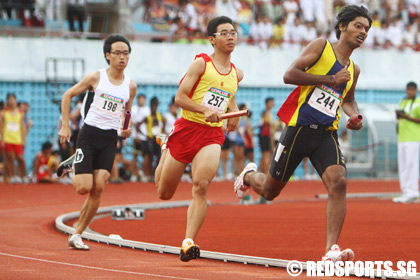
{"points": [[308, 10], [188, 13], [296, 33], [249, 138], [76, 9], [155, 125], [76, 122], [229, 8], [1, 143], [408, 115], [45, 165], [118, 175], [14, 140], [254, 35], [308, 175], [24, 107], [238, 144], [224, 159], [409, 37], [291, 9], [265, 32], [138, 116], [266, 134], [278, 33], [309, 33], [170, 117], [394, 34], [413, 9], [345, 146]]}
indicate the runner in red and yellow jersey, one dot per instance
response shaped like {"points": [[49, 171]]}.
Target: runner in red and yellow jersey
{"points": [[205, 92], [14, 137]]}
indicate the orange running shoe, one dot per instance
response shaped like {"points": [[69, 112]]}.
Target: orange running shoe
{"points": [[161, 139], [189, 251]]}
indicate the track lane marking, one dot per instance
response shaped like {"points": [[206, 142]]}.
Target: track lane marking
{"points": [[96, 268]]}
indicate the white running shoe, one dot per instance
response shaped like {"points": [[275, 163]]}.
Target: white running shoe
{"points": [[239, 187], [75, 242], [335, 254], [65, 166], [405, 199]]}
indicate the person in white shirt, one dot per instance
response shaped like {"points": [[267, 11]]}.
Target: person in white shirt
{"points": [[229, 8], [141, 146], [170, 118], [97, 141], [189, 15], [265, 32]]}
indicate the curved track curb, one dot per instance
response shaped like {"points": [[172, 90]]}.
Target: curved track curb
{"points": [[100, 238]]}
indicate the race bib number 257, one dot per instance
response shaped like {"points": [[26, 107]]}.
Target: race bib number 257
{"points": [[216, 99]]}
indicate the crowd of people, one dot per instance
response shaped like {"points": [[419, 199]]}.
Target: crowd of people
{"points": [[293, 24], [267, 24], [148, 121], [324, 76]]}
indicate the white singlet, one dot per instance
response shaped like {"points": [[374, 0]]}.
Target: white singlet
{"points": [[108, 103]]}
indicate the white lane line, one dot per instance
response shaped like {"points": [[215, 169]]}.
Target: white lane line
{"points": [[96, 268]]}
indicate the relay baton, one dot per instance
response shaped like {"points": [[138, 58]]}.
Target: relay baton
{"points": [[356, 120], [126, 120], [235, 114]]}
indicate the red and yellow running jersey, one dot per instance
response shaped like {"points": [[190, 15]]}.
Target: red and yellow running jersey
{"points": [[12, 130], [213, 90], [318, 104]]}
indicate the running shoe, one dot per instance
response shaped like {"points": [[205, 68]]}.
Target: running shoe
{"points": [[189, 251], [405, 199], [65, 166], [239, 187], [75, 242], [335, 254], [161, 139]]}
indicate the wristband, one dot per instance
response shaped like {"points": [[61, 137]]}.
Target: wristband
{"points": [[334, 81]]}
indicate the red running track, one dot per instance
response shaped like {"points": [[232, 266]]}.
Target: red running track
{"points": [[291, 228]]}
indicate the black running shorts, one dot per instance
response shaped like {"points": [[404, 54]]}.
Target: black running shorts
{"points": [[95, 149], [316, 142]]}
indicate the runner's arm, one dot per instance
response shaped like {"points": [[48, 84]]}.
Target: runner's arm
{"points": [[182, 99]]}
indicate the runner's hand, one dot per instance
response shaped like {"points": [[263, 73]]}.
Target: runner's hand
{"points": [[126, 133], [64, 134], [212, 116], [232, 124]]}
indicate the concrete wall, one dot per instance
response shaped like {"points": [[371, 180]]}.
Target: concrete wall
{"points": [[23, 59]]}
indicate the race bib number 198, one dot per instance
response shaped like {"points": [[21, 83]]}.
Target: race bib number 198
{"points": [[110, 105], [325, 100]]}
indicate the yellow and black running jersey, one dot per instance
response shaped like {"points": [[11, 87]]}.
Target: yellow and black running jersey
{"points": [[319, 104]]}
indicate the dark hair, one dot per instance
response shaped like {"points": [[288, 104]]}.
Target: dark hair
{"points": [[46, 145], [141, 95], [154, 101], [269, 99], [348, 14], [215, 22], [113, 38], [242, 106], [10, 95], [412, 84]]}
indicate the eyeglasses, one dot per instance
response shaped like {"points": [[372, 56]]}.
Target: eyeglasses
{"points": [[118, 53], [226, 34]]}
